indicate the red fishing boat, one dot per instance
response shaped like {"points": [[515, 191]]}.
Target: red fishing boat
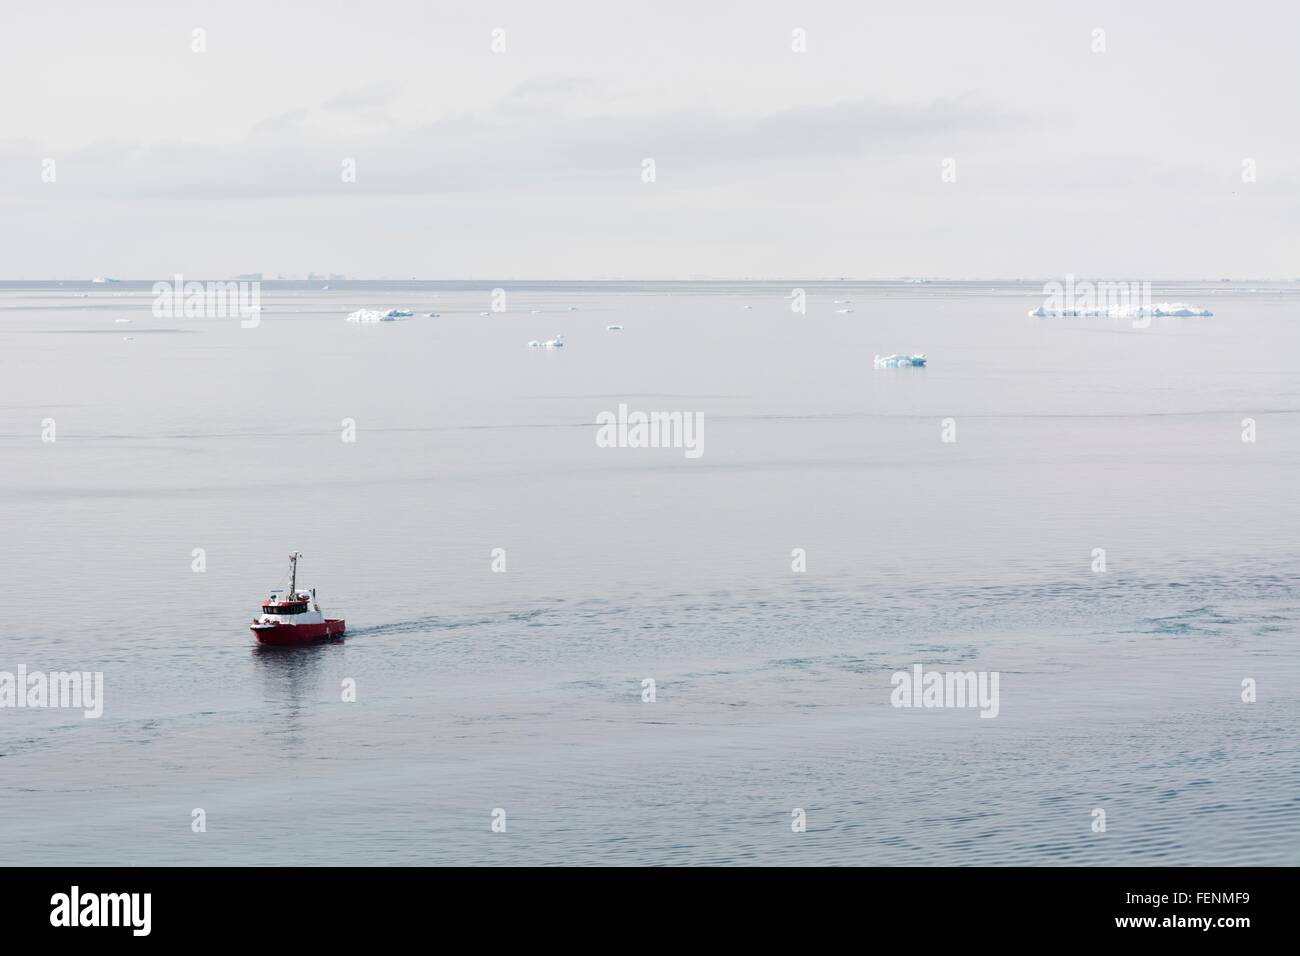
{"points": [[293, 617]]}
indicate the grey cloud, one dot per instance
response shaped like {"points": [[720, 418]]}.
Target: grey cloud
{"points": [[359, 100], [288, 121], [286, 155], [555, 85]]}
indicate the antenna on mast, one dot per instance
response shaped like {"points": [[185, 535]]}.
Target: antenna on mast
{"points": [[293, 573]]}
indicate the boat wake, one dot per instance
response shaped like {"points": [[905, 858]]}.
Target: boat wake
{"points": [[433, 623]]}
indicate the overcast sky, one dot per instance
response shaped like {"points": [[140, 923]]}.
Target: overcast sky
{"points": [[769, 163]]}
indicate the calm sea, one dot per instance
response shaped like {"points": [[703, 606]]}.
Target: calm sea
{"points": [[190, 455]]}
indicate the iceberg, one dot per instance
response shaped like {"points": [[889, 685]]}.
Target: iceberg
{"points": [[368, 316], [1179, 309], [1160, 310], [555, 343], [900, 361]]}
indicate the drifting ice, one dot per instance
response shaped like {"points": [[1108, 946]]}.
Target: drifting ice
{"points": [[1159, 311], [555, 343], [900, 361], [367, 316]]}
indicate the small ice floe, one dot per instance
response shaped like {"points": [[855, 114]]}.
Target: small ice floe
{"points": [[613, 328], [535, 311], [369, 316], [555, 343], [746, 307], [843, 301], [1176, 309], [128, 338], [573, 308], [900, 361], [1043, 313], [485, 314], [121, 321], [842, 311], [433, 315], [1160, 310]]}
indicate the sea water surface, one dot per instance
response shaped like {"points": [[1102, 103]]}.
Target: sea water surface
{"points": [[479, 691]]}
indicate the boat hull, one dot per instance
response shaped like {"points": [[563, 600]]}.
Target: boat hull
{"points": [[291, 634]]}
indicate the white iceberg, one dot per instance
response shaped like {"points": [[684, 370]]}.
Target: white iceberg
{"points": [[900, 361], [369, 316], [1179, 309], [1160, 310]]}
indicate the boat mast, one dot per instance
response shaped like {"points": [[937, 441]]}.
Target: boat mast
{"points": [[293, 573]]}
